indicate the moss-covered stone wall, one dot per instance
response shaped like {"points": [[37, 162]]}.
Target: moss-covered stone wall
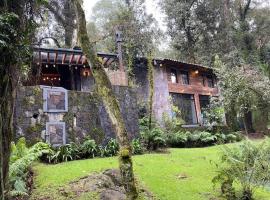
{"points": [[86, 116]]}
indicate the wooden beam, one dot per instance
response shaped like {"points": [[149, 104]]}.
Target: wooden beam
{"points": [[56, 56], [64, 58], [78, 60], [48, 57], [71, 58]]}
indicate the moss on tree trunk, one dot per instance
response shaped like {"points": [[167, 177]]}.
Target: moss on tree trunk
{"points": [[7, 97], [104, 90]]}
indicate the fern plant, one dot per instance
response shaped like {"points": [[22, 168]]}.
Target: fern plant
{"points": [[88, 149], [248, 165], [21, 159], [112, 148]]}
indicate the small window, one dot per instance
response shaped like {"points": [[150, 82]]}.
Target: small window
{"points": [[174, 76], [204, 80], [184, 77], [210, 81]]}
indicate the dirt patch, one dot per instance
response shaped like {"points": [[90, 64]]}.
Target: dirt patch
{"points": [[256, 136], [107, 185]]}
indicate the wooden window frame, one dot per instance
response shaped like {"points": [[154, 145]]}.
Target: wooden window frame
{"points": [[183, 72]]}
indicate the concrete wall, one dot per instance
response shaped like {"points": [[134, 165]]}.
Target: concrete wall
{"points": [[86, 116], [161, 104]]}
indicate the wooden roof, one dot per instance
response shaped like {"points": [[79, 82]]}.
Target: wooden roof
{"points": [[61, 56]]}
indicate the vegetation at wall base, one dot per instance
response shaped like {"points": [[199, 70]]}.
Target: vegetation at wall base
{"points": [[20, 163]]}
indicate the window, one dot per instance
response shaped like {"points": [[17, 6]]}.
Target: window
{"points": [[56, 133], [204, 80], [55, 99], [186, 104], [210, 81], [184, 77], [174, 76], [204, 104], [204, 101]]}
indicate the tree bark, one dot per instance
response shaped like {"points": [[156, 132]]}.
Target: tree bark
{"points": [[104, 89], [7, 98], [248, 122], [231, 118]]}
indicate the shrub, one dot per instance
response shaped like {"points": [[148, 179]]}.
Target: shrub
{"points": [[21, 159], [153, 139], [178, 139], [229, 137], [64, 153], [172, 124], [248, 165], [111, 149], [207, 139], [137, 147], [88, 149]]}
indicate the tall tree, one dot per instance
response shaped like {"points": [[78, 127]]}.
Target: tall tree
{"points": [[192, 26], [104, 89], [64, 15], [17, 23], [233, 29], [139, 30]]}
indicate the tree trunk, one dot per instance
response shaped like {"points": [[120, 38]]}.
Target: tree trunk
{"points": [[104, 89], [231, 118], [7, 98], [248, 122], [264, 117]]}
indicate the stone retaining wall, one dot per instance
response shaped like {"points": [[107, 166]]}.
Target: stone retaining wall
{"points": [[86, 116]]}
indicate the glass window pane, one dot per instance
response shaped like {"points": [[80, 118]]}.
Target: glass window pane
{"points": [[185, 78], [210, 81], [174, 76], [186, 105]]}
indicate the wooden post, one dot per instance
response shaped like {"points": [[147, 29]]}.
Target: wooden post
{"points": [[198, 108]]}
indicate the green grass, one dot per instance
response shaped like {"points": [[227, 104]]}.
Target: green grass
{"points": [[159, 173]]}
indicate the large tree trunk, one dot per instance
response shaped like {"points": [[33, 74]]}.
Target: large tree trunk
{"points": [[247, 118], [104, 89], [263, 109], [7, 98], [231, 118]]}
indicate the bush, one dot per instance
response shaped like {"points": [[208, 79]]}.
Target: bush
{"points": [[63, 153], [111, 149], [137, 148], [178, 139], [20, 161], [88, 149], [200, 138], [248, 165], [153, 139]]}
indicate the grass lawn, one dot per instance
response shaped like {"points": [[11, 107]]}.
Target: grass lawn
{"points": [[184, 174]]}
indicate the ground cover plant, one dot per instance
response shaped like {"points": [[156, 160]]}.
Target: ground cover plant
{"points": [[186, 173], [246, 165], [20, 163]]}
